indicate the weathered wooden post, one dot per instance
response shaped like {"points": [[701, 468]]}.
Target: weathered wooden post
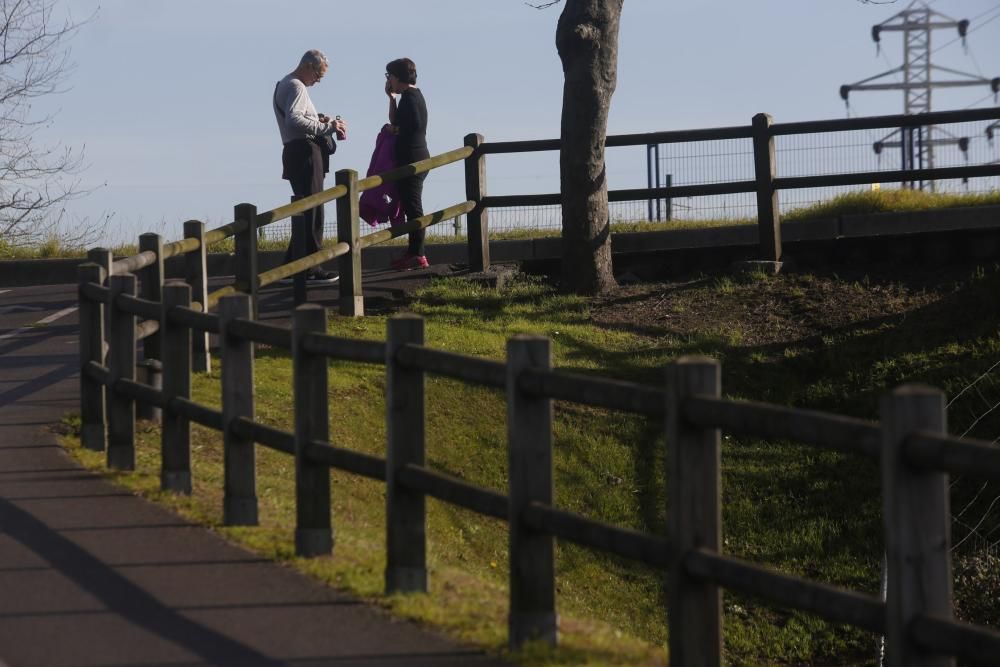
{"points": [[196, 274], [103, 258], [175, 443], [93, 429], [151, 287], [406, 517], [246, 269], [352, 300], [298, 241], [236, 356], [694, 606], [150, 369], [768, 218], [917, 520], [313, 523], [529, 447], [121, 364], [477, 222]]}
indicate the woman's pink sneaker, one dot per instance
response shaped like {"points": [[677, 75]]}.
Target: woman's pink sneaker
{"points": [[408, 262]]}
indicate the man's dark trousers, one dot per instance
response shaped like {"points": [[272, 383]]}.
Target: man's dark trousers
{"points": [[304, 166]]}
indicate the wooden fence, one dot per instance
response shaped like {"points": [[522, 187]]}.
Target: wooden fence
{"points": [[173, 320], [148, 263], [915, 454]]}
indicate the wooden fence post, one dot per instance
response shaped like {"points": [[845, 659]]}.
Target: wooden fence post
{"points": [[236, 356], [768, 218], [477, 221], [103, 258], [917, 520], [175, 443], [352, 300], [406, 517], [121, 363], [313, 524], [529, 447], [151, 287], [298, 242], [196, 273], [694, 607], [93, 433], [247, 272]]}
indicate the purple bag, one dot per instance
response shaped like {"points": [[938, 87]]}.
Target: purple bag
{"points": [[381, 204]]}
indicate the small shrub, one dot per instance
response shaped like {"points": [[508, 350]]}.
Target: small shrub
{"points": [[977, 588]]}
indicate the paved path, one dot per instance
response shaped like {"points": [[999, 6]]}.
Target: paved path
{"points": [[92, 576]]}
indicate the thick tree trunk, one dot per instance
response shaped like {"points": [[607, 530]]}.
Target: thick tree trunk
{"points": [[587, 40]]}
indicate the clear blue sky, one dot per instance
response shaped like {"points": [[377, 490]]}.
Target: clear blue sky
{"points": [[172, 98]]}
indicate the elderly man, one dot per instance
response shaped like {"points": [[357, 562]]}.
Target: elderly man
{"points": [[305, 158]]}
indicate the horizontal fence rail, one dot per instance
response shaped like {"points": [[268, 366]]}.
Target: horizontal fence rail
{"points": [[978, 645], [598, 392], [960, 456], [833, 604], [776, 422], [649, 549], [345, 349], [358, 463], [419, 167], [455, 491], [457, 366]]}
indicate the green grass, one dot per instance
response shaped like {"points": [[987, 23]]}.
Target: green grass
{"points": [[889, 201], [806, 512]]}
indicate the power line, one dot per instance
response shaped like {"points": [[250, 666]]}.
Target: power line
{"points": [[977, 27]]}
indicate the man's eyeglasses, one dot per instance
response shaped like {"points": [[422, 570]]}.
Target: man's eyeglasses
{"points": [[387, 75]]}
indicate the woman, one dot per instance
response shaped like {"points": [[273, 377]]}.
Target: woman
{"points": [[408, 119]]}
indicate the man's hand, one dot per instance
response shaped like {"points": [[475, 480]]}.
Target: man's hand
{"points": [[340, 127]]}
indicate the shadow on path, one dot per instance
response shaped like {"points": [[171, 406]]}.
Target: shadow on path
{"points": [[122, 596], [37, 384]]}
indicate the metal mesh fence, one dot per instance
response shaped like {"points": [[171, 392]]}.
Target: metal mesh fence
{"points": [[549, 218], [952, 145], [728, 160], [975, 411], [817, 154], [704, 163]]}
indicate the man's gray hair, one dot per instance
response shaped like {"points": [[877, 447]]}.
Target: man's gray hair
{"points": [[314, 58]]}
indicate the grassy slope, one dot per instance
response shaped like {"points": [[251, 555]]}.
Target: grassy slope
{"points": [[816, 341]]}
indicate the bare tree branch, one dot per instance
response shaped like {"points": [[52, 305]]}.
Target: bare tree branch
{"points": [[36, 181]]}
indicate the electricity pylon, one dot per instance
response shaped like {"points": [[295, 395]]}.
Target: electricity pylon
{"points": [[917, 22]]}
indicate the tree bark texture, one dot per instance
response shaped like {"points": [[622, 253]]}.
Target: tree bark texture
{"points": [[587, 41]]}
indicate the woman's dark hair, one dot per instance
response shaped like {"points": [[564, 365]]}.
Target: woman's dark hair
{"points": [[403, 69]]}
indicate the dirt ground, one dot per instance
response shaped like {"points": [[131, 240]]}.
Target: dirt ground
{"points": [[776, 309]]}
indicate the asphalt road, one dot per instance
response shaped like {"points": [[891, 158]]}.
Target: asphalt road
{"points": [[91, 575]]}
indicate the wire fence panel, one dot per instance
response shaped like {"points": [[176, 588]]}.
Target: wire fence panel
{"points": [[715, 161], [702, 163], [951, 145], [974, 411]]}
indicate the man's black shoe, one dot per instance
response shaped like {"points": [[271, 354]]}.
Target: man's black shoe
{"points": [[321, 277]]}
